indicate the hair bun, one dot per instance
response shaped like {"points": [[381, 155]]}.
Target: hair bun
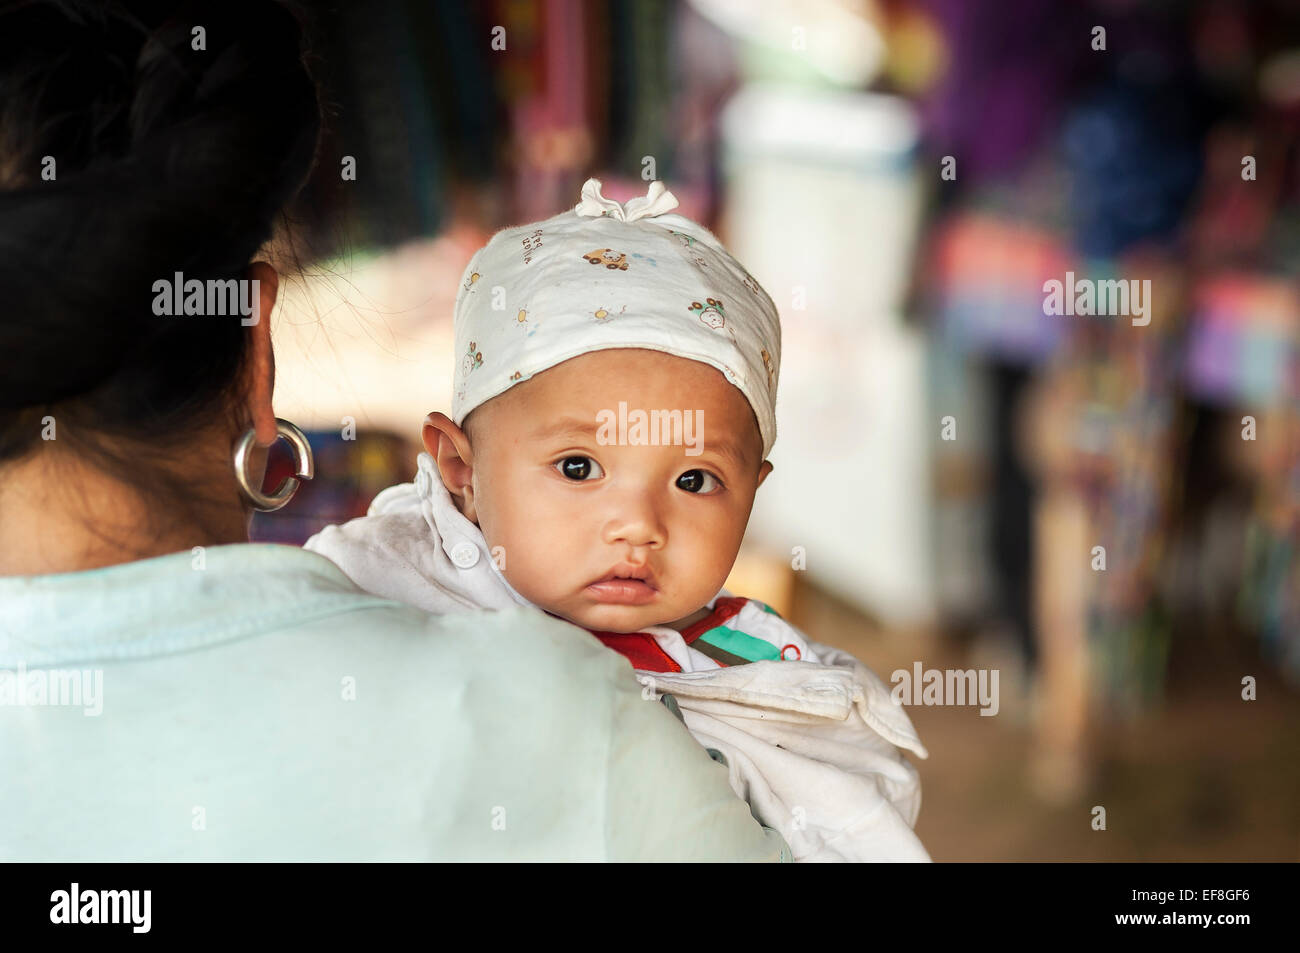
{"points": [[178, 132], [215, 118]]}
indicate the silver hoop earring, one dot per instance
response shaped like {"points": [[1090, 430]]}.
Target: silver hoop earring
{"points": [[303, 465]]}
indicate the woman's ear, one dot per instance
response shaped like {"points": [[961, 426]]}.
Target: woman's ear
{"points": [[450, 449], [763, 471], [262, 363]]}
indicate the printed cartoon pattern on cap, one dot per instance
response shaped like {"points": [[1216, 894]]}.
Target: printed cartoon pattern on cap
{"points": [[608, 257], [713, 314], [531, 243]]}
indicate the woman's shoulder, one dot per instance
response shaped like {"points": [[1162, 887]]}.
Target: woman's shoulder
{"points": [[484, 734]]}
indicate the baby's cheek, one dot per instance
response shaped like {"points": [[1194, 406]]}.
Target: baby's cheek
{"points": [[533, 564], [714, 550], [535, 541], [520, 567]]}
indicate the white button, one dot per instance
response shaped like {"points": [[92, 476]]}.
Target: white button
{"points": [[464, 555]]}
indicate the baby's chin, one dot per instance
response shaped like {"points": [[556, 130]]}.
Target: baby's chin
{"points": [[617, 618]]}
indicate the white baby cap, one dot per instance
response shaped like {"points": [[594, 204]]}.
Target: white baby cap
{"points": [[607, 275]]}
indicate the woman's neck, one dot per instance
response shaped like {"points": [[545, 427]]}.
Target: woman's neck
{"points": [[58, 516]]}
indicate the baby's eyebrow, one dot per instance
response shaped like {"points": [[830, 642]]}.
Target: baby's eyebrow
{"points": [[729, 449], [579, 427], [565, 427]]}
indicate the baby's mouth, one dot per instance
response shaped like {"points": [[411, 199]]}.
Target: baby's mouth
{"points": [[625, 584]]}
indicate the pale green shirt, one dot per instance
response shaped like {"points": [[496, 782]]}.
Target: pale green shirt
{"points": [[249, 702]]}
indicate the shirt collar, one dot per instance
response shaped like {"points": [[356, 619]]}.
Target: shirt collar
{"points": [[450, 526]]}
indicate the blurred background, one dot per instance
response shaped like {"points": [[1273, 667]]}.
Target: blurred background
{"points": [[903, 176]]}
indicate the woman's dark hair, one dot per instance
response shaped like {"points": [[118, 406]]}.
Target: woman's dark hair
{"points": [[177, 133]]}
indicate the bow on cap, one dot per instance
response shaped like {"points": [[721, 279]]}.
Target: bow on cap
{"points": [[656, 201]]}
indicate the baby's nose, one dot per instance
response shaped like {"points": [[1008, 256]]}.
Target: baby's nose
{"points": [[637, 526]]}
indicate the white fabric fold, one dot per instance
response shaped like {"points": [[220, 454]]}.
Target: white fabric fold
{"points": [[656, 201], [813, 749]]}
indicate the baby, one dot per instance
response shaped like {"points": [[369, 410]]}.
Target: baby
{"points": [[613, 412]]}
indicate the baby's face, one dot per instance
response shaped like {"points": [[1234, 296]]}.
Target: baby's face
{"points": [[573, 505]]}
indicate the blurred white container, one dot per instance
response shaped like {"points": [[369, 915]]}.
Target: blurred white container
{"points": [[823, 206]]}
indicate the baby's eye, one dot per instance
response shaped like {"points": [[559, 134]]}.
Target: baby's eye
{"points": [[698, 481], [579, 468]]}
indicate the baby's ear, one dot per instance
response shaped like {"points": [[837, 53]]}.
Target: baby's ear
{"points": [[451, 451]]}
